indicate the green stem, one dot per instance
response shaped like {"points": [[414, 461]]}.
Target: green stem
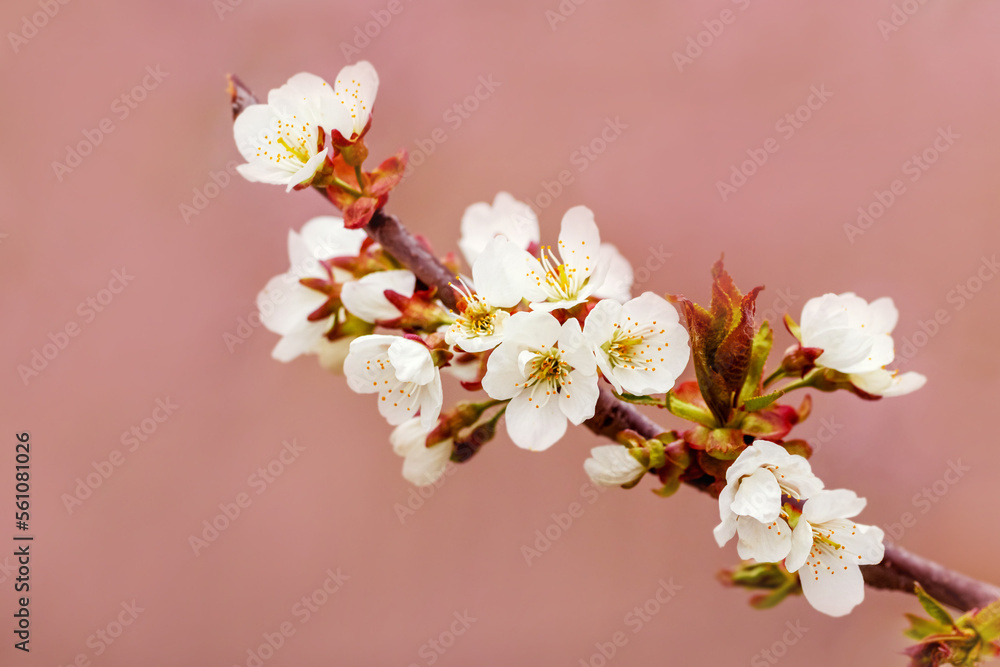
{"points": [[774, 377], [343, 185], [359, 176], [804, 383]]}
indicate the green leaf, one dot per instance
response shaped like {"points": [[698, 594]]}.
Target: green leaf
{"points": [[754, 382], [987, 621], [761, 402], [689, 411], [640, 400], [933, 607], [921, 627]]}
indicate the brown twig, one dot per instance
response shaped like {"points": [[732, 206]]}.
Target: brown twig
{"points": [[899, 569]]}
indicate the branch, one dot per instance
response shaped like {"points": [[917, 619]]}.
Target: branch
{"points": [[899, 569]]}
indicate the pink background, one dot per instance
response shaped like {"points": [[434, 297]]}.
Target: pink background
{"points": [[653, 187]]}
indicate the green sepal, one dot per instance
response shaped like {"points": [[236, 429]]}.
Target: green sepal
{"points": [[761, 402], [759, 352], [934, 608]]}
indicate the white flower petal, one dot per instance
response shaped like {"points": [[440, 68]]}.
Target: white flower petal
{"points": [[833, 504], [617, 283], [578, 397], [284, 304], [503, 378], [534, 426], [326, 237], [302, 340], [853, 334], [881, 382], [579, 241], [758, 496], [830, 586], [333, 353], [355, 90], [408, 436], [612, 465], [802, 544], [764, 542], [496, 273], [425, 465], [412, 361], [481, 222], [365, 298], [431, 401]]}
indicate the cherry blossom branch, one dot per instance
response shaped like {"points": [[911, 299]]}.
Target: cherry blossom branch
{"points": [[899, 569]]}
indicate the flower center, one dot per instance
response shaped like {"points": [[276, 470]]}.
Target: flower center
{"points": [[298, 150], [628, 347], [560, 279], [478, 318], [548, 368]]}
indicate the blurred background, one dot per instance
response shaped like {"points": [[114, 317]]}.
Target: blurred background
{"points": [[131, 257]]}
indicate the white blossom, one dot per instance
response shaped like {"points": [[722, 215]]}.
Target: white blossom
{"points": [[286, 140], [640, 346], [618, 283], [285, 304], [882, 382], [612, 465], [568, 278], [827, 548], [480, 326], [750, 504], [365, 298], [855, 336], [507, 217], [548, 373], [422, 465], [403, 374]]}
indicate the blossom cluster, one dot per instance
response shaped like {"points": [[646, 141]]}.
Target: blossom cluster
{"points": [[539, 329]]}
